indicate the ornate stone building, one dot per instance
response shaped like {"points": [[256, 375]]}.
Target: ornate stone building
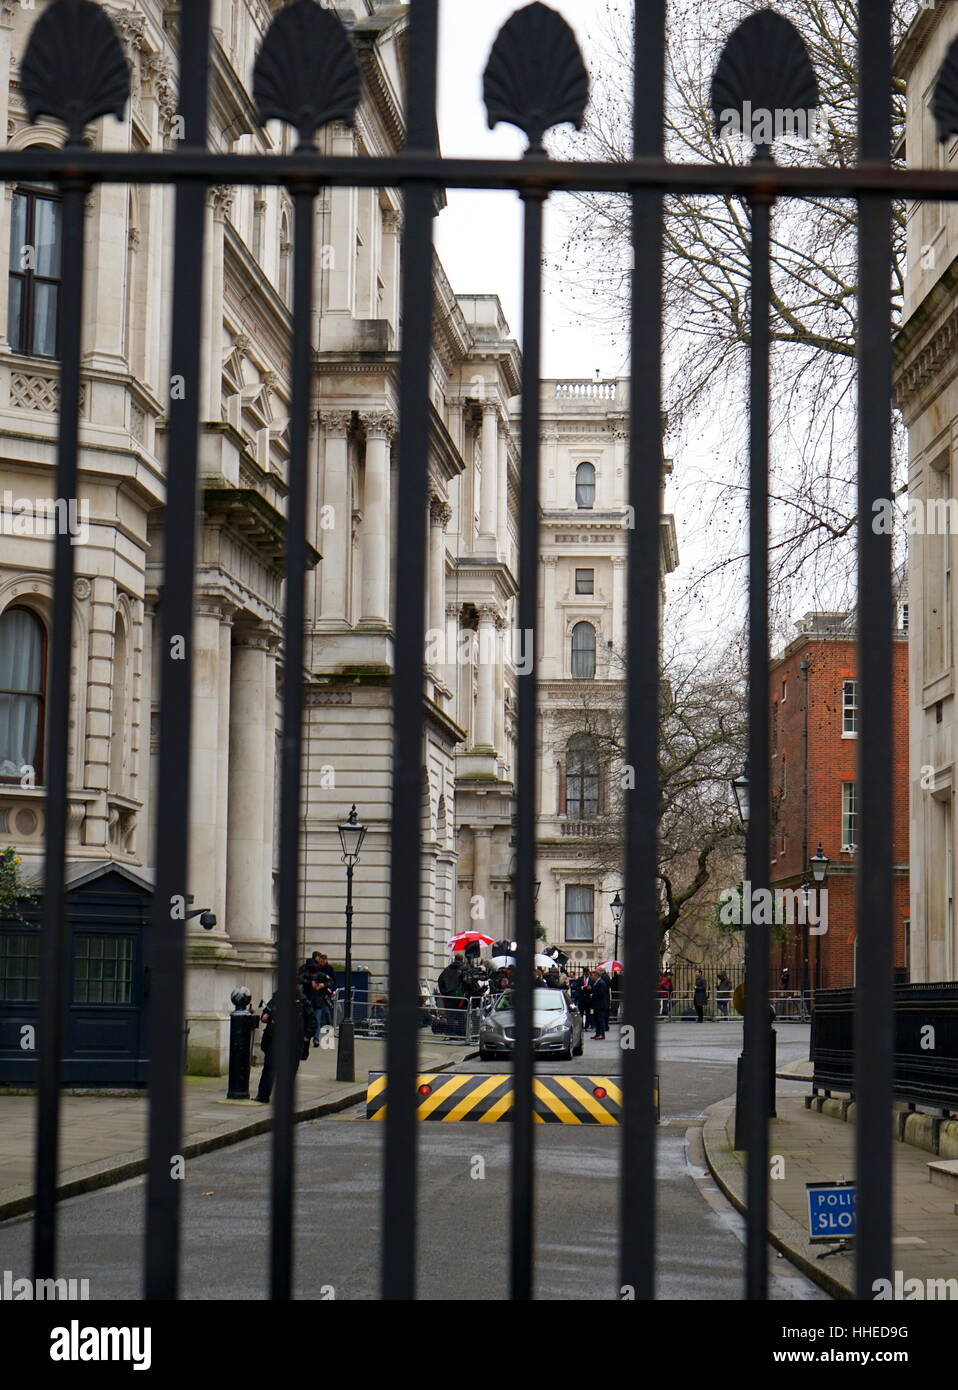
{"points": [[472, 660], [928, 397], [585, 532]]}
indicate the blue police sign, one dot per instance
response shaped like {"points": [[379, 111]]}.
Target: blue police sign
{"points": [[831, 1210]]}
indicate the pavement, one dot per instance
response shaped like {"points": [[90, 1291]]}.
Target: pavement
{"points": [[103, 1137], [821, 1147]]}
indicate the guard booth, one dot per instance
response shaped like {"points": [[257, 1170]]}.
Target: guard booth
{"points": [[104, 1040]]}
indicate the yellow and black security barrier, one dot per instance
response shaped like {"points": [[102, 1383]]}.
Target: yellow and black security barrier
{"points": [[487, 1097]]}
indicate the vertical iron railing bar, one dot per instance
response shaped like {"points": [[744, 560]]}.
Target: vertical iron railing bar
{"points": [[288, 1039], [641, 938], [168, 927], [53, 922], [400, 1195], [874, 1025], [757, 1034], [527, 740]]}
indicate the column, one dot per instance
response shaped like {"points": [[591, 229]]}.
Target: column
{"points": [[336, 539], [250, 786], [549, 620], [207, 874], [269, 782], [618, 603], [490, 469], [375, 533], [453, 673], [211, 387], [440, 514], [502, 493], [482, 854], [488, 644]]}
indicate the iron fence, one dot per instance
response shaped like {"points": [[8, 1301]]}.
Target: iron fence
{"points": [[535, 78]]}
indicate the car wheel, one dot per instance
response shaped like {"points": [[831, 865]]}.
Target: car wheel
{"points": [[566, 1054], [577, 1051], [484, 1055]]}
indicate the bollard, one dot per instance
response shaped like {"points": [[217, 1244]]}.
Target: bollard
{"points": [[738, 1143], [243, 1022]]}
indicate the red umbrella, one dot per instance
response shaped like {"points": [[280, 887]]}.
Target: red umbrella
{"points": [[466, 938], [614, 965]]}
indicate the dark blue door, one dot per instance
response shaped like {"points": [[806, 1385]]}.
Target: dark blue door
{"points": [[104, 1040]]}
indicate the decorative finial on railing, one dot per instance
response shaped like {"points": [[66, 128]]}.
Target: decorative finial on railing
{"points": [[306, 73], [535, 77], [74, 67], [764, 86]]}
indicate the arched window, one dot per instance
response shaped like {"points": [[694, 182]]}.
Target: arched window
{"points": [[22, 657], [34, 290], [585, 485], [582, 778], [583, 651]]}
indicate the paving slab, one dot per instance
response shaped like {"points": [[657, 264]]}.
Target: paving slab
{"points": [[103, 1137], [819, 1147]]}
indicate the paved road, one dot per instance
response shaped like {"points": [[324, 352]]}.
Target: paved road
{"points": [[463, 1204]]}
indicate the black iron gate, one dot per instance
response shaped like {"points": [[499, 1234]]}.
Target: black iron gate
{"points": [[306, 74]]}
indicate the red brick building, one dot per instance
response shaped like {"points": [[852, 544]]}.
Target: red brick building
{"points": [[814, 707]]}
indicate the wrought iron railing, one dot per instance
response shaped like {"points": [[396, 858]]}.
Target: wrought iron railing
{"points": [[306, 74]]}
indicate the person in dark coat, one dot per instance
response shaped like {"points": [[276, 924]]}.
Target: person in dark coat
{"points": [[582, 997], [451, 995], [700, 996], [319, 990], [601, 997], [304, 1022]]}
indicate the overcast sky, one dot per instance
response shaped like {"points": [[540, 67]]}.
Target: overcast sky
{"points": [[478, 236]]}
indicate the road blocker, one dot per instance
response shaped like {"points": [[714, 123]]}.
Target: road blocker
{"points": [[488, 1097]]}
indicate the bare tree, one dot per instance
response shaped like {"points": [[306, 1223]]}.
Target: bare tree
{"points": [[702, 726], [814, 268]]}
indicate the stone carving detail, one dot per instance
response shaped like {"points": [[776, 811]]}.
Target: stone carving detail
{"points": [[336, 421], [440, 512], [380, 422], [81, 589], [159, 71], [38, 392], [138, 423]]}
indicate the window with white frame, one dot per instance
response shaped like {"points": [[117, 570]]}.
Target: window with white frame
{"points": [[585, 485], [849, 815], [583, 651], [579, 912], [22, 681], [850, 709]]}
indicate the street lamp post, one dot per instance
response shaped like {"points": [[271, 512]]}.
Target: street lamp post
{"points": [[819, 867], [616, 907], [351, 835]]}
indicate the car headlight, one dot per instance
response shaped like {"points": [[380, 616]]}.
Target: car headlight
{"points": [[559, 1027]]}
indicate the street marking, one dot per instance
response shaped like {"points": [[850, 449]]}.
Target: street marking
{"points": [[487, 1098]]}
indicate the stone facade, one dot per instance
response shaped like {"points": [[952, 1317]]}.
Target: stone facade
{"points": [[356, 579], [927, 381], [582, 584]]}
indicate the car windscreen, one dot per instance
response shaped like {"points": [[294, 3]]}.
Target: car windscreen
{"points": [[543, 1000]]}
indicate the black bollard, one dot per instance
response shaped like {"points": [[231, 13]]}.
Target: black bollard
{"points": [[243, 1023]]}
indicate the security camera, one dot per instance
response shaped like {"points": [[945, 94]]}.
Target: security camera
{"points": [[207, 920]]}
